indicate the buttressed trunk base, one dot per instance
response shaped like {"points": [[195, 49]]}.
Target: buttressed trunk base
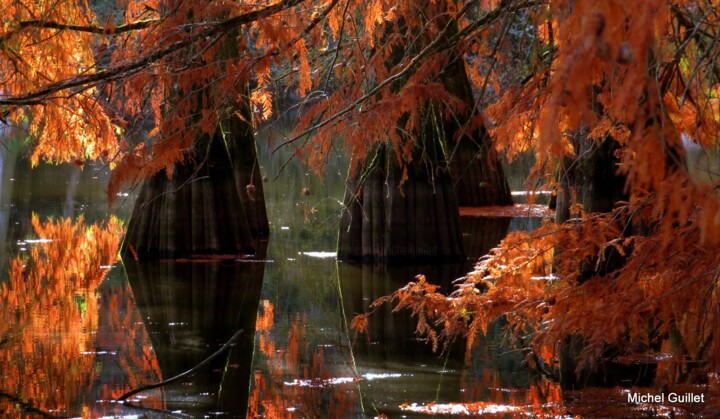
{"points": [[386, 222], [212, 205]]}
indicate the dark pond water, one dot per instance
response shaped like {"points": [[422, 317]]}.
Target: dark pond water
{"points": [[78, 328]]}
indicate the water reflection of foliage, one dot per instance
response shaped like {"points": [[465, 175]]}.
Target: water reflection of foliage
{"points": [[128, 338], [490, 384], [49, 311], [296, 381], [542, 399]]}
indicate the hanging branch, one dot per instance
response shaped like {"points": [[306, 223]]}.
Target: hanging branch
{"points": [[126, 69], [437, 44], [100, 30], [191, 371]]}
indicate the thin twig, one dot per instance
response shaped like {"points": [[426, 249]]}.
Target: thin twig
{"points": [[411, 66], [131, 67], [27, 407], [186, 373]]}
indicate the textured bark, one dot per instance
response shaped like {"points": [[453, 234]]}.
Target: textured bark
{"points": [[214, 203], [386, 222], [591, 178], [480, 234], [199, 211], [390, 220], [478, 175], [248, 179], [240, 142]]}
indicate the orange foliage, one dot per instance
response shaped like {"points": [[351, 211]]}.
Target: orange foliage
{"points": [[375, 64], [68, 124], [185, 66], [49, 315], [667, 285], [639, 74], [297, 383], [387, 75], [76, 85]]}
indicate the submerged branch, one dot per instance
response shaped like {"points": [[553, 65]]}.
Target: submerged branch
{"points": [[186, 373], [27, 407]]}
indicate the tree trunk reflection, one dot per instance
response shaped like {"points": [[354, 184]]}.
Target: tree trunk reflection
{"points": [[191, 309]]}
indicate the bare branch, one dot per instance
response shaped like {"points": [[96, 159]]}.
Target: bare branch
{"points": [[102, 30]]}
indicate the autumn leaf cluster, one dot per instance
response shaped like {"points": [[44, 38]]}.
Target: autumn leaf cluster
{"points": [[140, 88], [48, 307], [642, 278]]}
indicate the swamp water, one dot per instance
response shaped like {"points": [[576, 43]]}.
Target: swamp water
{"points": [[77, 332]]}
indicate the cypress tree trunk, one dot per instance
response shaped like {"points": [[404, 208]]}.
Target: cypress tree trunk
{"points": [[388, 219], [479, 177], [477, 173], [481, 234], [592, 180], [214, 203], [200, 210], [386, 222], [240, 142]]}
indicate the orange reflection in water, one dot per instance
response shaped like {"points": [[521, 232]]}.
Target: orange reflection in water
{"points": [[542, 399], [124, 333], [49, 323], [545, 398], [297, 380]]}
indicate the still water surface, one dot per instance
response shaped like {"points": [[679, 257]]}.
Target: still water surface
{"points": [[78, 328]]}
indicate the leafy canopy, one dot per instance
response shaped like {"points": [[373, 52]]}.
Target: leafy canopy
{"points": [[639, 73]]}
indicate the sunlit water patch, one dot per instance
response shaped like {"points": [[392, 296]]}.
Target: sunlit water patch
{"points": [[319, 382], [461, 409], [517, 210], [320, 255]]}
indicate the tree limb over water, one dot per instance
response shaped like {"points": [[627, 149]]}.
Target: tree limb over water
{"points": [[191, 371]]}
